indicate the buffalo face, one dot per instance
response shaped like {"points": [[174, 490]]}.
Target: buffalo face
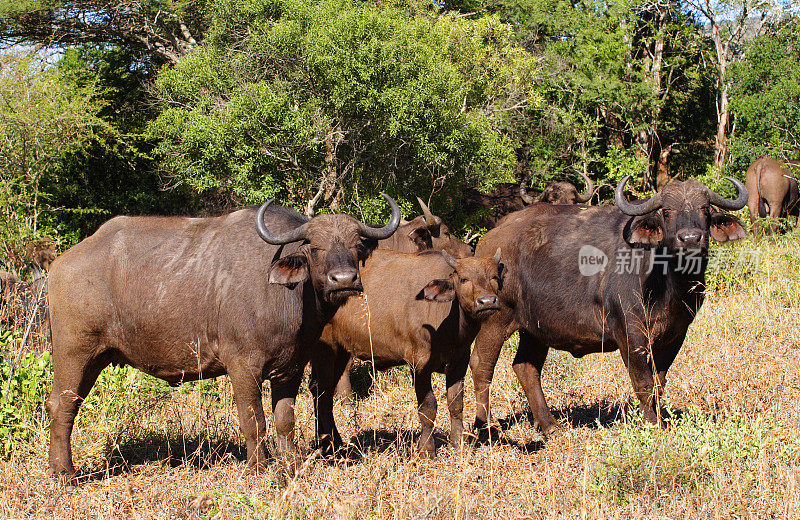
{"points": [[332, 247], [476, 282], [681, 216]]}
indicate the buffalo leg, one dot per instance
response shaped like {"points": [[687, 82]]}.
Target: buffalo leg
{"points": [[754, 225], [774, 215], [72, 381], [344, 390], [528, 365], [247, 394], [456, 370], [663, 359], [327, 367], [426, 407], [284, 395], [643, 373], [493, 333]]}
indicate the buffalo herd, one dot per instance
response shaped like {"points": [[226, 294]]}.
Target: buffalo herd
{"points": [[260, 293]]}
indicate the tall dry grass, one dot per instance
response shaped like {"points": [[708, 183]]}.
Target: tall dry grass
{"points": [[149, 451]]}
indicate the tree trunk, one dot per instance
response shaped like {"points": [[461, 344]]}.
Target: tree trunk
{"points": [[723, 118], [721, 141]]}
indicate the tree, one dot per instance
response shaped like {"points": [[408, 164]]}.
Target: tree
{"points": [[167, 29], [765, 97], [326, 102], [730, 23], [41, 119], [620, 82]]}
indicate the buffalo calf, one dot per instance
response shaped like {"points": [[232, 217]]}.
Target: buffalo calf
{"points": [[421, 309]]}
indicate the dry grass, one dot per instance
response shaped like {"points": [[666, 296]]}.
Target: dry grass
{"points": [[732, 452]]}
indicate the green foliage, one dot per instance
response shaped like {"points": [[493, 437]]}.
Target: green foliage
{"points": [[340, 99], [600, 88], [113, 392], [621, 162], [43, 117], [23, 394], [113, 173], [765, 98], [696, 453]]}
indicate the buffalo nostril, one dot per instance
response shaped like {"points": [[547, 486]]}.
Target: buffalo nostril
{"points": [[690, 236], [486, 301], [344, 278]]}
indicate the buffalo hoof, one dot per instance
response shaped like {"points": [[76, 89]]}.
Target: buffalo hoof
{"points": [[551, 430], [63, 479], [484, 434], [426, 452], [328, 450], [459, 442]]}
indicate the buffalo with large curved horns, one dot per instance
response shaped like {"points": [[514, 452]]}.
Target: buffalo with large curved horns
{"points": [[192, 298], [601, 278]]}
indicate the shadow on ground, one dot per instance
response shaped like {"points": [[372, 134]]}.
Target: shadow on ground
{"points": [[197, 452], [203, 452]]}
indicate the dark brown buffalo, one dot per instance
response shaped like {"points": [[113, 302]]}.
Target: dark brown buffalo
{"points": [[7, 284], [420, 309], [773, 191], [425, 232], [189, 298], [558, 297], [560, 193], [507, 198]]}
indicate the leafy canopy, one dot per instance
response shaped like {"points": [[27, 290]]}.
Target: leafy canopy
{"points": [[334, 100]]}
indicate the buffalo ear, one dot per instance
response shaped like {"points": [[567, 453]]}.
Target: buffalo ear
{"points": [[646, 232], [726, 227], [438, 291], [365, 249], [289, 270], [421, 236]]}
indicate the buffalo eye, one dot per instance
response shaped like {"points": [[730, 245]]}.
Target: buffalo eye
{"points": [[463, 280]]}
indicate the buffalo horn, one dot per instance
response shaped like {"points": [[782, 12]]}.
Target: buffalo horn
{"points": [[523, 191], [651, 204], [588, 190], [298, 233], [721, 202], [385, 231], [451, 261], [430, 219]]}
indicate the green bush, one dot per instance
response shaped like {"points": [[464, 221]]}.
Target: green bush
{"points": [[23, 393]]}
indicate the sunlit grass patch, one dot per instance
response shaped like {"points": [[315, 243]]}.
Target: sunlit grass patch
{"points": [[698, 454]]}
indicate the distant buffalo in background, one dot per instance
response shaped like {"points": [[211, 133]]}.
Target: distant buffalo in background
{"points": [[507, 198], [773, 189]]}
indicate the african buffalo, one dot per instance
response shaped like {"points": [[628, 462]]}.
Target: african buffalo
{"points": [[21, 302], [420, 309], [561, 291], [39, 254], [425, 232], [7, 283], [507, 198], [560, 192], [189, 298], [773, 191]]}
